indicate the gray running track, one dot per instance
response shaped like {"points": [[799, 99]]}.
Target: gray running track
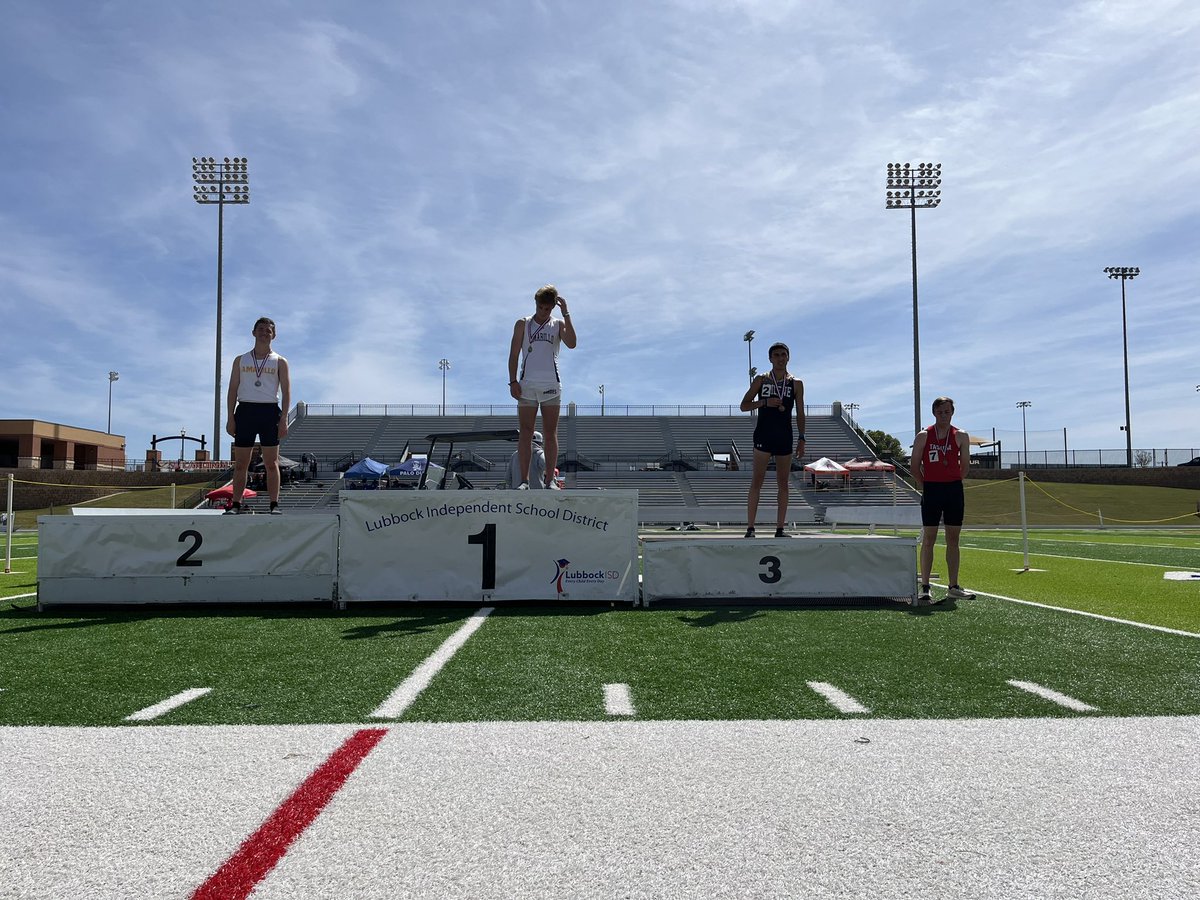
{"points": [[1040, 808]]}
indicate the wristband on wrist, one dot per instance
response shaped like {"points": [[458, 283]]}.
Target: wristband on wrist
{"points": [[800, 437], [512, 383]]}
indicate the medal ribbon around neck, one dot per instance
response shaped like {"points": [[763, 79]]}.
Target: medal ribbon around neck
{"points": [[533, 337], [778, 388], [259, 367]]}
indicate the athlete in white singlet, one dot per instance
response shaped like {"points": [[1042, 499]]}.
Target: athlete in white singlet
{"points": [[260, 389], [535, 344]]}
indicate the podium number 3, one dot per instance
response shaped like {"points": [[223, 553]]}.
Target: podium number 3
{"points": [[772, 574], [186, 558]]}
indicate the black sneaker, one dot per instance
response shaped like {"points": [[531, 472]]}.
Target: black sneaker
{"points": [[779, 533], [232, 511], [750, 532], [274, 511]]}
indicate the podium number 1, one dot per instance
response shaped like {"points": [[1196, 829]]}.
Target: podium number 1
{"points": [[487, 537]]}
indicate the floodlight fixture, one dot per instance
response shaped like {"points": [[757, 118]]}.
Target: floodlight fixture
{"points": [[219, 183], [1125, 273]]}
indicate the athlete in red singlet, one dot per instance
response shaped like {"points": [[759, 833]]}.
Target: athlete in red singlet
{"points": [[937, 468]]}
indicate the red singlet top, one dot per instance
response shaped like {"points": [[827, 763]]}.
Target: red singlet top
{"points": [[942, 462]]}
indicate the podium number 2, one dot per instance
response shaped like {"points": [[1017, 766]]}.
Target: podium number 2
{"points": [[772, 574], [186, 558], [486, 537]]}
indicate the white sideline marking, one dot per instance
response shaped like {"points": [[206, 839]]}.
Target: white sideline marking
{"points": [[159, 709], [402, 697], [838, 698], [1119, 562], [1091, 615], [1052, 696], [17, 597], [617, 701]]}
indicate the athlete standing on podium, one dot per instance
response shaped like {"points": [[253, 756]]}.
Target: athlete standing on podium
{"points": [[538, 337], [258, 379], [774, 395]]}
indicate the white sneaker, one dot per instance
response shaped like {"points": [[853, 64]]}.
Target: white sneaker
{"points": [[957, 593], [553, 486], [523, 486]]}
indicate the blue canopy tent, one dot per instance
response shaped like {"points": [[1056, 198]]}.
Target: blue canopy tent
{"points": [[411, 467], [366, 469], [415, 467]]}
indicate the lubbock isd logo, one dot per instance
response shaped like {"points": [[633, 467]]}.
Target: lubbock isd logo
{"points": [[583, 577]]}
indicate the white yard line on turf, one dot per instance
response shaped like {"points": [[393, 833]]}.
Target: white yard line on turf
{"points": [[617, 701], [402, 697], [1119, 562], [160, 709], [1090, 615], [838, 698], [17, 597], [1053, 696]]}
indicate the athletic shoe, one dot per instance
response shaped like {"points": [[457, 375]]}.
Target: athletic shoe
{"points": [[750, 532], [779, 533], [553, 486], [232, 511], [924, 598], [957, 593], [245, 511], [523, 486], [275, 511]]}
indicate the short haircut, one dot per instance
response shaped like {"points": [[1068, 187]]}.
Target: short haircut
{"points": [[776, 346], [939, 401], [548, 292], [260, 320]]}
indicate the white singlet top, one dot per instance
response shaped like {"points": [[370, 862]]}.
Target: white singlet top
{"points": [[265, 372], [540, 349]]}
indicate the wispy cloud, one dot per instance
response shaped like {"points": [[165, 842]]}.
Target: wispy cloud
{"points": [[684, 171]]}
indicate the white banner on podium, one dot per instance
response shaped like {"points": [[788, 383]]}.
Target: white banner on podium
{"points": [[186, 558], [489, 545], [804, 566]]}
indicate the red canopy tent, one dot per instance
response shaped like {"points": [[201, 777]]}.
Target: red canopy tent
{"points": [[225, 492], [866, 464]]}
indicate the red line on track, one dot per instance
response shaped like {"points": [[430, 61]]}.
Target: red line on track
{"points": [[261, 852]]}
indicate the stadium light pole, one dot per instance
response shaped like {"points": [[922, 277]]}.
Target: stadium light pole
{"points": [[748, 337], [913, 189], [1125, 273], [444, 365], [112, 376], [601, 399], [220, 183], [1024, 405], [852, 407]]}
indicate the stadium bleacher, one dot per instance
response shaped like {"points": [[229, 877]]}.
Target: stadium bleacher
{"points": [[665, 458]]}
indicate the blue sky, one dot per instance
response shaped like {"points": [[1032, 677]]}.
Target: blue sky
{"points": [[684, 171]]}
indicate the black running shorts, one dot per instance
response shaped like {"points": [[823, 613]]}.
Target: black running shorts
{"points": [[942, 498], [252, 420]]}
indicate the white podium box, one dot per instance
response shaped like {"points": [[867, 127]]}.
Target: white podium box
{"points": [[489, 545], [185, 558], [800, 567]]}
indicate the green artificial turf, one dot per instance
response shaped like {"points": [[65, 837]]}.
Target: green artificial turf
{"points": [[309, 664]]}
